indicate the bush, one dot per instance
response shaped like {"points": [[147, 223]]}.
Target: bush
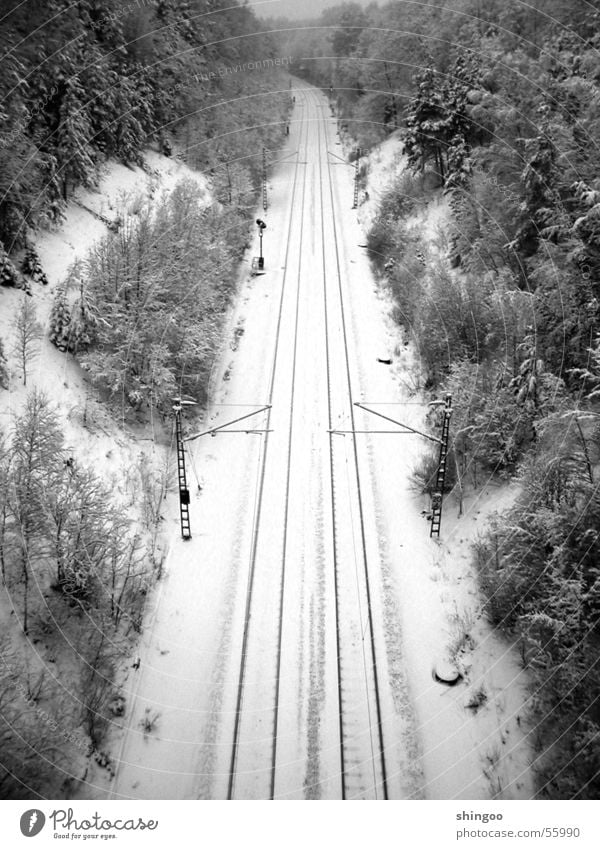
{"points": [[423, 476], [9, 276], [458, 318], [405, 197], [175, 268], [32, 266], [538, 567], [60, 318]]}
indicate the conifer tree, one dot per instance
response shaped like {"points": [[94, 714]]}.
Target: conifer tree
{"points": [[426, 123], [74, 133], [32, 266], [587, 228], [83, 324], [60, 318], [9, 276], [128, 130], [53, 209], [541, 198]]}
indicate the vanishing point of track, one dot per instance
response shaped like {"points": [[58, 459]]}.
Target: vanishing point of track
{"points": [[362, 765]]}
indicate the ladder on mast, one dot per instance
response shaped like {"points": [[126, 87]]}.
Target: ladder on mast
{"points": [[356, 181], [437, 497], [184, 493], [264, 179]]}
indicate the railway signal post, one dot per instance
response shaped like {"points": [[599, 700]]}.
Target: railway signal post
{"points": [[261, 227]]}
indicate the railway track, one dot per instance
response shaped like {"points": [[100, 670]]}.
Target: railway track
{"points": [[249, 731], [264, 762], [362, 751]]}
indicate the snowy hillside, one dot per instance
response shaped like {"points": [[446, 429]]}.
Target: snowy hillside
{"points": [[462, 741], [130, 460]]}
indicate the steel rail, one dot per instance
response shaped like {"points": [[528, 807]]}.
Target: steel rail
{"points": [[257, 522], [367, 576]]}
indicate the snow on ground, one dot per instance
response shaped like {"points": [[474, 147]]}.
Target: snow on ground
{"points": [[383, 164], [466, 741], [114, 450], [443, 742], [84, 223], [470, 750]]}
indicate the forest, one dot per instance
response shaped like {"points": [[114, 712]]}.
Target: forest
{"points": [[100, 80], [497, 106], [84, 85]]}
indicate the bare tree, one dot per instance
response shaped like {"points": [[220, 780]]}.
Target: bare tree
{"points": [[5, 460], [27, 335], [3, 368], [36, 452], [35, 751]]}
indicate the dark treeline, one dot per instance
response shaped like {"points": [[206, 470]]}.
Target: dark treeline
{"points": [[84, 81], [498, 107], [102, 79]]}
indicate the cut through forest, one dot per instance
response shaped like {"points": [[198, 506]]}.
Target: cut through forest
{"points": [[428, 175]]}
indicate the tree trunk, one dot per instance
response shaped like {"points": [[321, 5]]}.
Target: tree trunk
{"points": [[25, 591], [2, 538], [440, 161], [585, 451]]}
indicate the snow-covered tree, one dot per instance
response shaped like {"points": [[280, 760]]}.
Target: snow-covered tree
{"points": [[54, 205], [541, 196], [35, 755], [32, 266], [233, 185], [60, 319], [587, 229], [426, 123], [27, 335], [439, 125], [36, 448], [3, 367], [74, 133], [9, 276], [460, 166], [83, 323]]}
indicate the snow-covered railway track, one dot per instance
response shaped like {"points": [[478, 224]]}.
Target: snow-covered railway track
{"points": [[361, 746], [255, 732], [292, 573]]}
